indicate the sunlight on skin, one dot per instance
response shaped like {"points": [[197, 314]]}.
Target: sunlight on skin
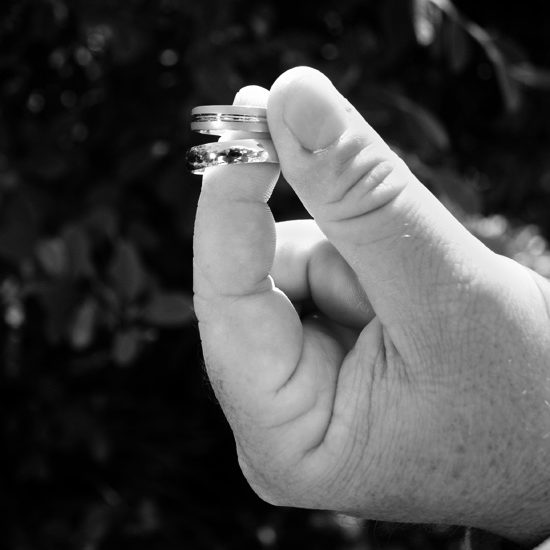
{"points": [[404, 399]]}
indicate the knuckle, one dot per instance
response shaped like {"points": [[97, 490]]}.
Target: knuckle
{"points": [[263, 481], [263, 490], [368, 177], [277, 484]]}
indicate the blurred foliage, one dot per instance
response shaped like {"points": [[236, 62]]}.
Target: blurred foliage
{"points": [[111, 437]]}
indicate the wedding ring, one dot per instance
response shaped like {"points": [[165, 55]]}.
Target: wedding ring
{"points": [[239, 151], [250, 122], [217, 119]]}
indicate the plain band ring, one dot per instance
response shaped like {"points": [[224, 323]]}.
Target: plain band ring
{"points": [[240, 151], [218, 119]]}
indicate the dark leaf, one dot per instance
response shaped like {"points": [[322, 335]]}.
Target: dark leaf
{"points": [[102, 223], [459, 48], [126, 346], [18, 228], [429, 127], [59, 301], [77, 245], [82, 330], [135, 164], [126, 271], [510, 90], [53, 256], [396, 19], [530, 76], [406, 121], [427, 19], [128, 42], [170, 309]]}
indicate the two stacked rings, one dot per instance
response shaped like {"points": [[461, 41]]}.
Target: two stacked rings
{"points": [[218, 120]]}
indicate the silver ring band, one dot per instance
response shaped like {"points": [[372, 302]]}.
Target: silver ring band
{"points": [[217, 119], [220, 153], [219, 128], [239, 110]]}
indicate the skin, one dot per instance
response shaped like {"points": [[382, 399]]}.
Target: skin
{"points": [[421, 390]]}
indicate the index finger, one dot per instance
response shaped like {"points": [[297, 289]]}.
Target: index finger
{"points": [[274, 376], [250, 332]]}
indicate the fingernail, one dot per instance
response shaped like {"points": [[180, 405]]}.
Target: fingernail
{"points": [[314, 111], [251, 95]]}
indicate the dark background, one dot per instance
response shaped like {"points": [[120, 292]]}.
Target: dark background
{"points": [[111, 437]]}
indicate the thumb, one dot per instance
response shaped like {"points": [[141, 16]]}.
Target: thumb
{"points": [[407, 250]]}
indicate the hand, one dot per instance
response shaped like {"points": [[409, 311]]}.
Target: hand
{"points": [[421, 391]]}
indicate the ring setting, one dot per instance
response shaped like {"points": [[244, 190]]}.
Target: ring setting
{"points": [[220, 153]]}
